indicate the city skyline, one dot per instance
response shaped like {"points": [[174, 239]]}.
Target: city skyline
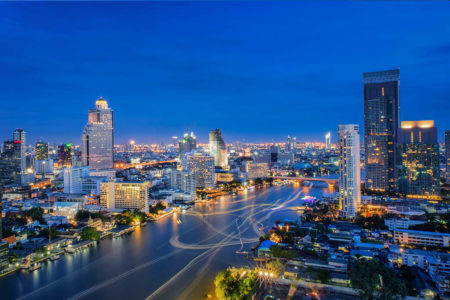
{"points": [[258, 84]]}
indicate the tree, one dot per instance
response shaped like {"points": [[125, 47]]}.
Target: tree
{"points": [[90, 233], [36, 214], [375, 280], [275, 266], [235, 285]]}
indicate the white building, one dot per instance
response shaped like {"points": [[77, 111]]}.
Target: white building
{"points": [[43, 167], [417, 237], [349, 170], [183, 181], [73, 178], [97, 141], [328, 141], [202, 167], [401, 223], [92, 184]]}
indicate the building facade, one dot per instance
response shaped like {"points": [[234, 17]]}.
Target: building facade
{"points": [[41, 150], [97, 142], [256, 170], [328, 141], [65, 154], [218, 149], [418, 171], [72, 179], [187, 144], [11, 163], [447, 155], [349, 170], [381, 113], [117, 195], [202, 167], [183, 181]]}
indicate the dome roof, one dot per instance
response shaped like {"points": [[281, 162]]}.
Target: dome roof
{"points": [[101, 103]]}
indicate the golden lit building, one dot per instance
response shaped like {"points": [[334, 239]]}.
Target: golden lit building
{"points": [[117, 195]]}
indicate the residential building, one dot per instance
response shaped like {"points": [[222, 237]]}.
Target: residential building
{"points": [[418, 171], [417, 237], [349, 170], [218, 149], [97, 140], [117, 195], [202, 167], [65, 154], [381, 113], [447, 155], [183, 181], [11, 163], [328, 141], [92, 184], [187, 144], [73, 179], [256, 170], [396, 223]]}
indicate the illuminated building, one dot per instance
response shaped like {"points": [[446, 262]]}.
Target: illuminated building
{"points": [[218, 149], [20, 135], [202, 167], [92, 184], [11, 163], [65, 154], [289, 143], [72, 179], [4, 254], [187, 144], [274, 152], [43, 166], [418, 170], [183, 181], [256, 170], [41, 151], [349, 170], [225, 177], [417, 237], [328, 141], [381, 106], [447, 155], [294, 144], [97, 141], [131, 195]]}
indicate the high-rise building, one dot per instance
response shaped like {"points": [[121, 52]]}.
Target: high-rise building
{"points": [[73, 178], [447, 155], [97, 141], [187, 144], [294, 144], [65, 154], [202, 167], [289, 143], [328, 141], [124, 195], [43, 167], [41, 151], [418, 171], [20, 135], [381, 114], [274, 152], [11, 163], [218, 149], [349, 170], [184, 181]]}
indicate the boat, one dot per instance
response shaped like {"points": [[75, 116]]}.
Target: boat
{"points": [[54, 257], [178, 221], [34, 266], [69, 249]]}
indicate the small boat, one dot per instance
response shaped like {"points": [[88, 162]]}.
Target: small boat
{"points": [[70, 250], [34, 266], [178, 221], [54, 257]]}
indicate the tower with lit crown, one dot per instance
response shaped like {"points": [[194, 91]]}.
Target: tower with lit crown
{"points": [[97, 140]]}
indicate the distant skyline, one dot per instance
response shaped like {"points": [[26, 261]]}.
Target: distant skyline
{"points": [[258, 71]]}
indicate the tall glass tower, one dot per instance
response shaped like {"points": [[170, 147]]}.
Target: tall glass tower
{"points": [[97, 140], [381, 114], [217, 148]]}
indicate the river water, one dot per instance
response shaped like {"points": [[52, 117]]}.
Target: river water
{"points": [[167, 259]]}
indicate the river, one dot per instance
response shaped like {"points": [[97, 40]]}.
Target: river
{"points": [[166, 259]]}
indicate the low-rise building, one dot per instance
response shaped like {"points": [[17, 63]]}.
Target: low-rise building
{"points": [[395, 223], [417, 237], [121, 196]]}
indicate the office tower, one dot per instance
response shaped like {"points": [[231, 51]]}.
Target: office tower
{"points": [[328, 141], [20, 135], [294, 144], [41, 151], [217, 148], [65, 154], [349, 170], [274, 151], [97, 141], [289, 143], [183, 181], [123, 195], [418, 171], [11, 163], [381, 109], [447, 155], [187, 144], [43, 167], [72, 179], [175, 141], [202, 167]]}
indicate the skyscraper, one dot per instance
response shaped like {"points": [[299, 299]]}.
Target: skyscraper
{"points": [[218, 149], [187, 144], [381, 110], [124, 195], [11, 163], [349, 170], [65, 154], [41, 151], [447, 155], [20, 135], [328, 141], [418, 171], [289, 143], [97, 141]]}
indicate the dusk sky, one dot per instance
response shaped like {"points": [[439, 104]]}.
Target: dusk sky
{"points": [[257, 70]]}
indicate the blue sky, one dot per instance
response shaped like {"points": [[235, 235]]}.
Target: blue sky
{"points": [[257, 70]]}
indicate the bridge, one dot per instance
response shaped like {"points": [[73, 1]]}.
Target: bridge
{"points": [[331, 182]]}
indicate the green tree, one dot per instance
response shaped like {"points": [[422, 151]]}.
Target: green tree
{"points": [[90, 233], [375, 280], [36, 214], [235, 285]]}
